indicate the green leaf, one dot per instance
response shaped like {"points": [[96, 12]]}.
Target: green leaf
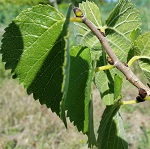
{"points": [[66, 67], [109, 84], [83, 34], [145, 66], [34, 48], [78, 101], [91, 133], [142, 44], [105, 82], [111, 130], [119, 25], [111, 133], [117, 87], [134, 35]]}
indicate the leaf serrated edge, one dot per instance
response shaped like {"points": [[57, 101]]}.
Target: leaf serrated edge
{"points": [[65, 68], [17, 20], [38, 6]]}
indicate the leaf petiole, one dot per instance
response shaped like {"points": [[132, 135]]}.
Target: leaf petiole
{"points": [[76, 19], [104, 68], [133, 59], [147, 98], [128, 102], [133, 101]]}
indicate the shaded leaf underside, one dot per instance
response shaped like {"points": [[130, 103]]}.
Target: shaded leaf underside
{"points": [[78, 102], [142, 45], [83, 34], [111, 130], [119, 25]]}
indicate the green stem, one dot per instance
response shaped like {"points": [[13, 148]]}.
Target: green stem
{"points": [[128, 102], [147, 98], [104, 68], [75, 19], [133, 101], [134, 59]]}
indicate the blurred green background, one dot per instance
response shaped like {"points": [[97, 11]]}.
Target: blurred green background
{"points": [[24, 123]]}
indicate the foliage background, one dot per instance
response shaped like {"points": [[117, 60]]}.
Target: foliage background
{"points": [[24, 123]]}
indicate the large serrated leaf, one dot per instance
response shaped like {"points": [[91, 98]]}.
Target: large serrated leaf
{"points": [[111, 133], [142, 44], [119, 25], [33, 47], [83, 34], [78, 101]]}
